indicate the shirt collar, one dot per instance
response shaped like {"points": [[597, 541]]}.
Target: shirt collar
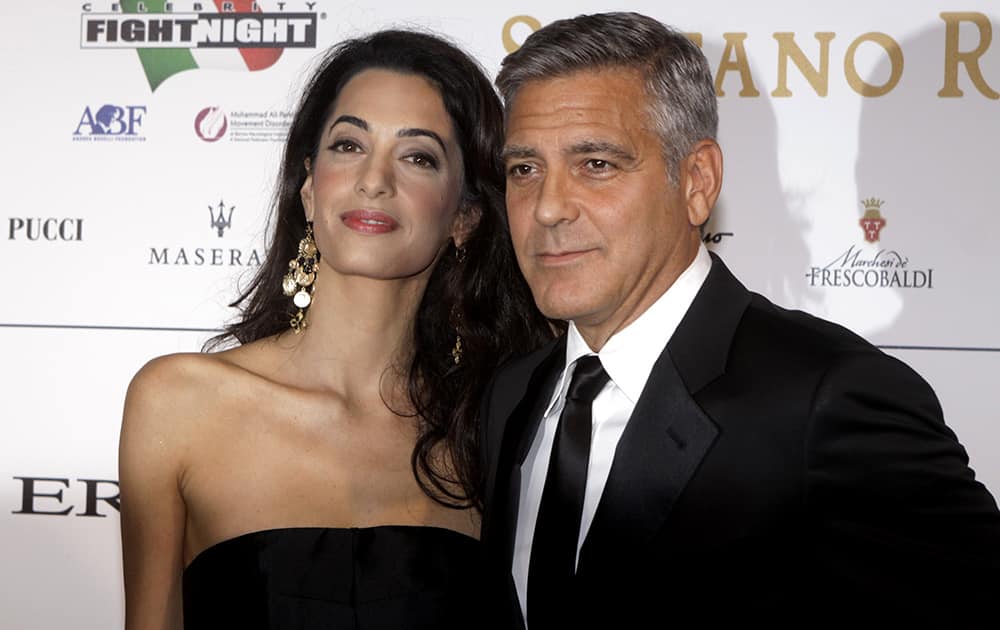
{"points": [[629, 355]]}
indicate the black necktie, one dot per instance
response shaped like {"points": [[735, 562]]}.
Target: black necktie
{"points": [[553, 549]]}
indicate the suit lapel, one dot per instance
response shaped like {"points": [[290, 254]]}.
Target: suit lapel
{"points": [[665, 440], [518, 435], [668, 434], [700, 345]]}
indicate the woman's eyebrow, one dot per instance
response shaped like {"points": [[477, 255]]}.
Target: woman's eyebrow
{"points": [[412, 132]]}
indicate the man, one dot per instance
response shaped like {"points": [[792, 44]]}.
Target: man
{"points": [[688, 451]]}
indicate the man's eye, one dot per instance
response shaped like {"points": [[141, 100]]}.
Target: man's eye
{"points": [[519, 170], [598, 164]]}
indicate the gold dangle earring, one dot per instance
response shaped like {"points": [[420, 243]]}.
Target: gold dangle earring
{"points": [[300, 281], [456, 350]]}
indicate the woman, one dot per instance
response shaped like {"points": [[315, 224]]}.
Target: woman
{"points": [[323, 473]]}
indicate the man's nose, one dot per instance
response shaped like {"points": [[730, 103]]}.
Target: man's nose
{"points": [[553, 204]]}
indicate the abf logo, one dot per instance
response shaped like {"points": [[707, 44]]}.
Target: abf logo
{"points": [[237, 34], [872, 223], [111, 122]]}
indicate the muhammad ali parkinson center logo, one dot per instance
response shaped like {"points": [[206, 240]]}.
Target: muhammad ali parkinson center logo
{"points": [[869, 265], [207, 253], [211, 123], [171, 36], [245, 125]]}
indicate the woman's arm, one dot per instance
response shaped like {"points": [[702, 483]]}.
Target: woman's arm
{"points": [[152, 509]]}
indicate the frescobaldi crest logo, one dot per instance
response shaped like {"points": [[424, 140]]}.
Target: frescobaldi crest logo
{"points": [[872, 223], [238, 33], [863, 266]]}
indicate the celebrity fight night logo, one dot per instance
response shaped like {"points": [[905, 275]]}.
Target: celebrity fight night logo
{"points": [[867, 264], [173, 36]]}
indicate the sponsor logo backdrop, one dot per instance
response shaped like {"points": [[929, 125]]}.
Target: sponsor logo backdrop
{"points": [[140, 141]]}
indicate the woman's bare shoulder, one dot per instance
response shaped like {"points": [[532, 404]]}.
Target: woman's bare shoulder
{"points": [[160, 395], [170, 389], [171, 379], [193, 374]]}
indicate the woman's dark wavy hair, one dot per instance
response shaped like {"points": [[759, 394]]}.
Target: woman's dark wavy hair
{"points": [[483, 297]]}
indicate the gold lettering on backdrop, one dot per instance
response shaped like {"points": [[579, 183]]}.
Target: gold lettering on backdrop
{"points": [[508, 39], [891, 48], [953, 57], [735, 58], [734, 44], [788, 49]]}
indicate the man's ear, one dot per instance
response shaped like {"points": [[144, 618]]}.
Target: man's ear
{"points": [[306, 192], [701, 180], [466, 220]]}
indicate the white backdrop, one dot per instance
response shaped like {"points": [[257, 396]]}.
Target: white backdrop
{"points": [[109, 254]]}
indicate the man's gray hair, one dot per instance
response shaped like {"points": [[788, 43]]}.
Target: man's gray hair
{"points": [[682, 102]]}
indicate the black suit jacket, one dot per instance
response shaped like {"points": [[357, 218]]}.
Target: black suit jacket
{"points": [[777, 469]]}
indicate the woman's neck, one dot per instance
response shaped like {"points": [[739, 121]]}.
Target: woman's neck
{"points": [[359, 333]]}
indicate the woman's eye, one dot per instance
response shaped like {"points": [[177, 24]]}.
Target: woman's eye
{"points": [[346, 146], [423, 160]]}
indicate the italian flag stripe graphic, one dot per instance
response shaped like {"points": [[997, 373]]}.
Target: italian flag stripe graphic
{"points": [[160, 64]]}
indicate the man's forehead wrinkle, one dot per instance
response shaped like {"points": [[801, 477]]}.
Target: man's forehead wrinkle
{"points": [[552, 98], [570, 131], [573, 120], [575, 109], [582, 121]]}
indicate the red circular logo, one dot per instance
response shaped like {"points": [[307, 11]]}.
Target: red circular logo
{"points": [[211, 123]]}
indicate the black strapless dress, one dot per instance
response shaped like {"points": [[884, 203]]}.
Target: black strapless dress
{"points": [[373, 578]]}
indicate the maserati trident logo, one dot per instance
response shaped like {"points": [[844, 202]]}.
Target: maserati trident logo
{"points": [[201, 253], [221, 221], [872, 223]]}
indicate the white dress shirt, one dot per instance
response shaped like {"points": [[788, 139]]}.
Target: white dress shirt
{"points": [[628, 358]]}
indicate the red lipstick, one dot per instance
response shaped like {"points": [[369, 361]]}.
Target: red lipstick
{"points": [[369, 221]]}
